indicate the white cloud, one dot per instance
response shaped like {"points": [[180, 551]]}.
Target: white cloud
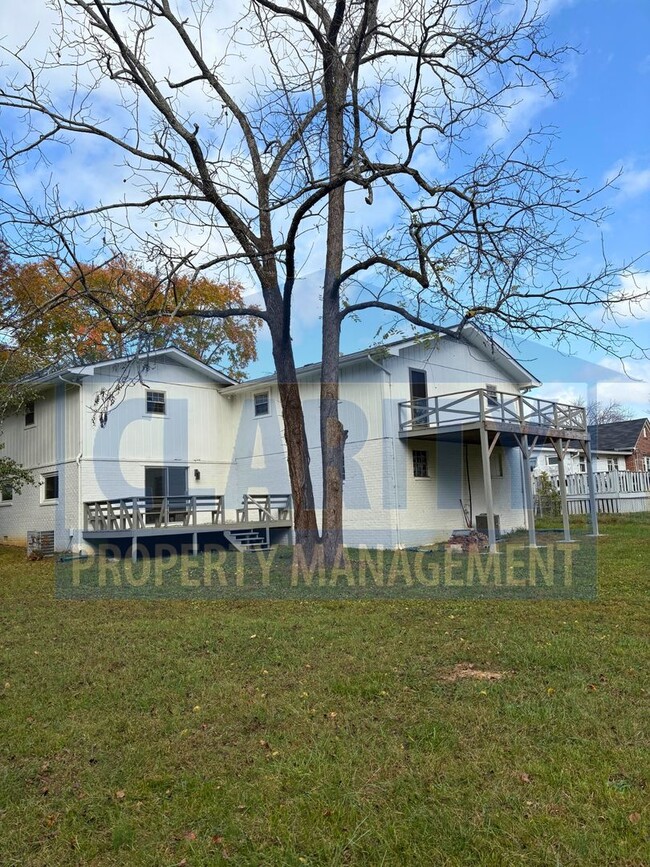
{"points": [[632, 389], [632, 300], [628, 179]]}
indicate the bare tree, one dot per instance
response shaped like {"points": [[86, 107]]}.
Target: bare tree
{"points": [[605, 411], [281, 135]]}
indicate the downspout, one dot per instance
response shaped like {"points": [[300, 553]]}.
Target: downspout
{"points": [[398, 530], [78, 462]]}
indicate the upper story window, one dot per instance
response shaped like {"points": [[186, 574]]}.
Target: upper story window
{"points": [[420, 464], [6, 494], [156, 402], [261, 401], [30, 413], [419, 396], [491, 395], [50, 487], [646, 463]]}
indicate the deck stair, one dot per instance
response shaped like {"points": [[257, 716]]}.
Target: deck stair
{"points": [[248, 539]]}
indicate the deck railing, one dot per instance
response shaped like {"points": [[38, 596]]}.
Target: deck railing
{"points": [[133, 513], [147, 513], [265, 507], [481, 405]]}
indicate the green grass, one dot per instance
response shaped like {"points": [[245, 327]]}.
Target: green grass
{"points": [[326, 732]]}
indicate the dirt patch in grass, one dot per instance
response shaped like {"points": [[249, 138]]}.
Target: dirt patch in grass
{"points": [[464, 670]]}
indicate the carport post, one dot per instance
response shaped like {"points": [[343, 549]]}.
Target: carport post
{"points": [[593, 506], [560, 451], [487, 485], [195, 544], [134, 548]]}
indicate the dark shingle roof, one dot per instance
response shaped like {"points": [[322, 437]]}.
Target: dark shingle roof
{"points": [[617, 436]]}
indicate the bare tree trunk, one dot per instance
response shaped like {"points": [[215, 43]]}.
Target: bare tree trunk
{"points": [[295, 435], [331, 429]]}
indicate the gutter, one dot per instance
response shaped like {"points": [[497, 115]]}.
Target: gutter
{"points": [[78, 460]]}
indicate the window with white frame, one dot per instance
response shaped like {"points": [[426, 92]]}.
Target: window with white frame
{"points": [[420, 464], [646, 463], [261, 403], [582, 464], [612, 464], [50, 487], [491, 395], [156, 402], [6, 493]]}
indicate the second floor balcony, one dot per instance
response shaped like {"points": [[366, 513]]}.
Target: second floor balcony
{"points": [[465, 411]]}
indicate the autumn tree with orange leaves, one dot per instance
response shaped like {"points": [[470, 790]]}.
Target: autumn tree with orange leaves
{"points": [[121, 309]]}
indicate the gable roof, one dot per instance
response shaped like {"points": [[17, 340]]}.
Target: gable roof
{"points": [[617, 436], [471, 334], [81, 369]]}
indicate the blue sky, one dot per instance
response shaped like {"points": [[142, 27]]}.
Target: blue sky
{"points": [[602, 122]]}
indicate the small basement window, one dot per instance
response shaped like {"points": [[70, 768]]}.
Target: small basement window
{"points": [[30, 413], [420, 464], [156, 402], [261, 403], [50, 487]]}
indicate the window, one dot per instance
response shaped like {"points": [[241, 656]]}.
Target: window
{"points": [[50, 487], [156, 402], [496, 464], [6, 494], [418, 387], [30, 414], [261, 403], [420, 464], [612, 464], [491, 395], [553, 460], [582, 464], [646, 464]]}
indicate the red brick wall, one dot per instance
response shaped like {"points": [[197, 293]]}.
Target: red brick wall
{"points": [[635, 462]]}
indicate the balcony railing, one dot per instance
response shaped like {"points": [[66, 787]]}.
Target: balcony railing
{"points": [[497, 407], [133, 513]]}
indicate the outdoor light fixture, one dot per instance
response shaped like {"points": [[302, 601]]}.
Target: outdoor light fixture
{"points": [[197, 475]]}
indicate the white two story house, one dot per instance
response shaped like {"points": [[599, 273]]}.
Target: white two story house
{"points": [[438, 430]]}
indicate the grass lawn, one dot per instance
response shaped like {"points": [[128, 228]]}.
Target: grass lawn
{"points": [[327, 732]]}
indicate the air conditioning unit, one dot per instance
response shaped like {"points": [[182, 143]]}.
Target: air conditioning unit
{"points": [[482, 524], [40, 543]]}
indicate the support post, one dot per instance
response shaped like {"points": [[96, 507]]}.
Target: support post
{"points": [[560, 451], [134, 548], [487, 485], [528, 489], [195, 544], [591, 482]]}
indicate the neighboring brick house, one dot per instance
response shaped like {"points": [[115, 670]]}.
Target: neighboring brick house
{"points": [[630, 439]]}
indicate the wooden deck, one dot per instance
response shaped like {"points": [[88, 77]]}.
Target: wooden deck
{"points": [[153, 516], [462, 415]]}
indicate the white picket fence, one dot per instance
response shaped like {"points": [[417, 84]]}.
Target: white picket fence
{"points": [[616, 492]]}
